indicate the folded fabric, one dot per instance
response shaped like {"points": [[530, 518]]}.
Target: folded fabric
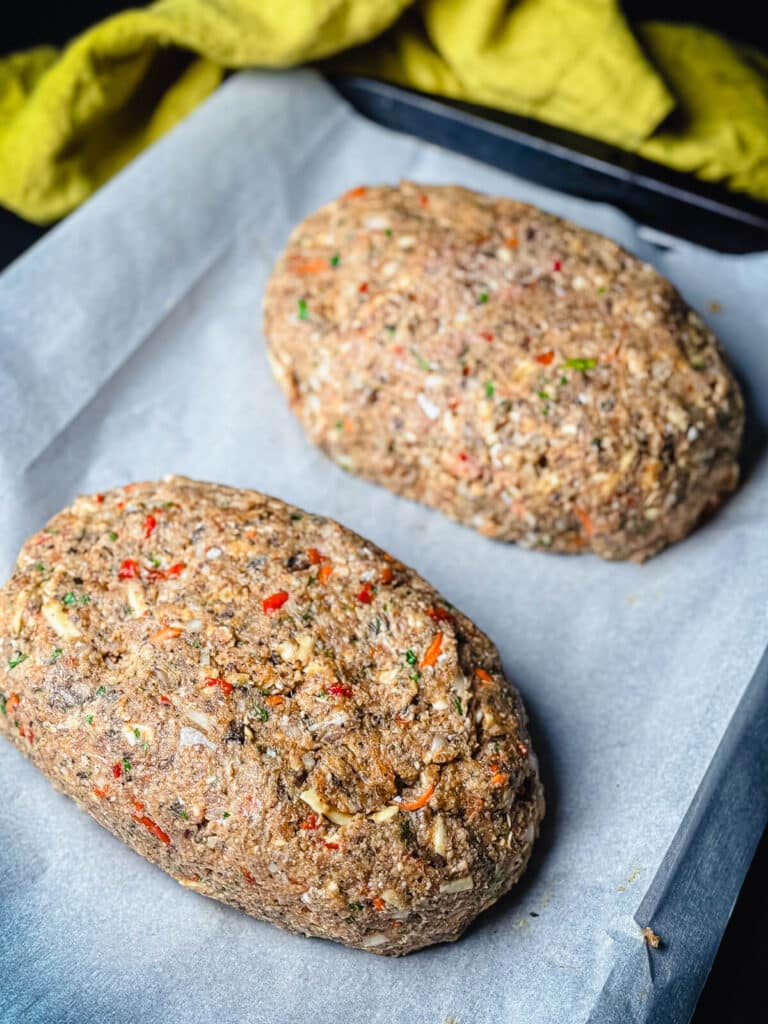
{"points": [[678, 94]]}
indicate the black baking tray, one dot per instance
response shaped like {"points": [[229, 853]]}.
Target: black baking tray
{"points": [[673, 204]]}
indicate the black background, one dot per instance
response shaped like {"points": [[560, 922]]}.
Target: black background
{"points": [[735, 987]]}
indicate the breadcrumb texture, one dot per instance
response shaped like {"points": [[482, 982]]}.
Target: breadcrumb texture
{"points": [[272, 709], [525, 376]]}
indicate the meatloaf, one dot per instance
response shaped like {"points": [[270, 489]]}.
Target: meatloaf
{"points": [[524, 376], [272, 709]]}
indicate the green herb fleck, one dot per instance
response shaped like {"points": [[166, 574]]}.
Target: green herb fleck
{"points": [[69, 598], [2, 706], [101, 691], [376, 627], [303, 310], [580, 364], [89, 719], [390, 329], [339, 424], [296, 517], [56, 653], [13, 662], [335, 260], [601, 291], [155, 561], [388, 232], [145, 746], [126, 765], [457, 705], [112, 535], [543, 396], [355, 906], [410, 657], [311, 580], [225, 814], [489, 389], [260, 712], [85, 599], [40, 567], [415, 676], [127, 610], [483, 297], [137, 732], [423, 364], [563, 380], [183, 814]]}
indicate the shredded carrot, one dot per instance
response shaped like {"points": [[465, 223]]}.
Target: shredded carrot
{"points": [[164, 699], [421, 801], [309, 824], [274, 700], [12, 703], [102, 792], [584, 519], [545, 358], [355, 193], [378, 902], [150, 826], [482, 674], [138, 805], [165, 574], [386, 575], [308, 266], [165, 633], [432, 653], [149, 525], [314, 556], [511, 243], [324, 573], [499, 779], [247, 875]]}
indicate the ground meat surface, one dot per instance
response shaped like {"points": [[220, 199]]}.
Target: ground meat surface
{"points": [[272, 709], [525, 376]]}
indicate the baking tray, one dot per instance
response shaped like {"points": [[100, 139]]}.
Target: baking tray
{"points": [[674, 204], [129, 347]]}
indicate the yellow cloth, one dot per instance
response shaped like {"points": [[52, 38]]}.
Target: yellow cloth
{"points": [[677, 94]]}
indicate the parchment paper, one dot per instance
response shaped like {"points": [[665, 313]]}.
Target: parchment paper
{"points": [[130, 347]]}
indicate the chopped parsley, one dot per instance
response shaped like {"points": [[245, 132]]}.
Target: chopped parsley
{"points": [[155, 561], [415, 676], [101, 691], [544, 396], [17, 660], [183, 814], [56, 653], [339, 424], [410, 657], [457, 705], [390, 329], [580, 364], [137, 732], [376, 627], [355, 906], [482, 297], [89, 719], [388, 232], [303, 310], [490, 390], [335, 260], [126, 765], [40, 567], [260, 712], [2, 706], [69, 598], [225, 814], [423, 364], [112, 535]]}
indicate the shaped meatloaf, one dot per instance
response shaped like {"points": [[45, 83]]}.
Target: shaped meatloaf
{"points": [[271, 709], [524, 376]]}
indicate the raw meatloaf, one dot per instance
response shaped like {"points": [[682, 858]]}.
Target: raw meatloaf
{"points": [[272, 709], [524, 376]]}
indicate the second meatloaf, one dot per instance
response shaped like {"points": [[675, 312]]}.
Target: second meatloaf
{"points": [[525, 376]]}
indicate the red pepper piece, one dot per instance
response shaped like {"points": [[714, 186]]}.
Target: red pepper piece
{"points": [[129, 569], [149, 524], [545, 358], [222, 683], [117, 770], [275, 601], [557, 265], [309, 823], [365, 595], [439, 614], [339, 690]]}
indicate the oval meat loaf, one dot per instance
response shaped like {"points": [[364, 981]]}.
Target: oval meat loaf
{"points": [[524, 376], [271, 709]]}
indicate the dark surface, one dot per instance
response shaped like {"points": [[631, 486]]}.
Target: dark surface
{"points": [[735, 986]]}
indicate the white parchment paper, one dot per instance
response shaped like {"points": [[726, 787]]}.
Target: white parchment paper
{"points": [[130, 347]]}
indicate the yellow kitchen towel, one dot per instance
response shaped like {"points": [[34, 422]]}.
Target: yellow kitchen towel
{"points": [[678, 94]]}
